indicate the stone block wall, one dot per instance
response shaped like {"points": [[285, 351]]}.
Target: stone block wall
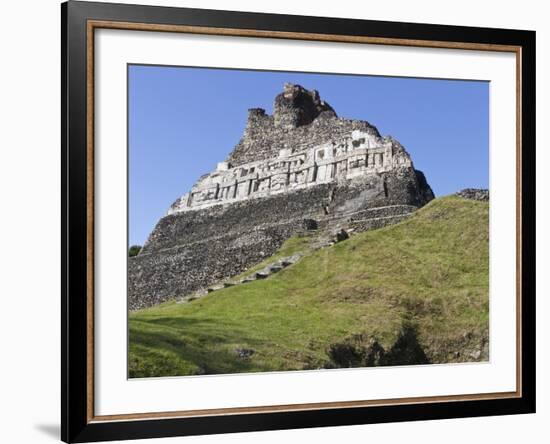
{"points": [[161, 275]]}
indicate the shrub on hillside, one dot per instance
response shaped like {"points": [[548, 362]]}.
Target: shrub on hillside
{"points": [[134, 250]]}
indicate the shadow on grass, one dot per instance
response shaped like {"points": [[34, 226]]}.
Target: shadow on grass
{"points": [[365, 351], [167, 346]]}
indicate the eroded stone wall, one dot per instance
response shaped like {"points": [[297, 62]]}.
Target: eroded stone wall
{"points": [[300, 120]]}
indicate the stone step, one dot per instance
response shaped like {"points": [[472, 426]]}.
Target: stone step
{"points": [[214, 288], [264, 273]]}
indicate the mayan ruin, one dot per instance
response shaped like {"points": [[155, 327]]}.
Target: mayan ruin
{"points": [[300, 168]]}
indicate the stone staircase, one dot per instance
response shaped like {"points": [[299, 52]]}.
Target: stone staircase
{"points": [[321, 238], [264, 273]]}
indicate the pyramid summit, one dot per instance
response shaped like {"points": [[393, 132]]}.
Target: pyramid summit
{"points": [[296, 106], [300, 168], [300, 118], [302, 144]]}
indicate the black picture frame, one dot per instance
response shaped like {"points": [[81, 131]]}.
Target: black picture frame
{"points": [[76, 423]]}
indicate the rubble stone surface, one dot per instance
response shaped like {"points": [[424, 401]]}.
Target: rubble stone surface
{"points": [[474, 194]]}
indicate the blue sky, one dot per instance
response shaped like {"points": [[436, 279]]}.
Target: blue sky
{"points": [[182, 121]]}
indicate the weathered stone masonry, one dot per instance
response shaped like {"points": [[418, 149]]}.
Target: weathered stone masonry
{"points": [[301, 166]]}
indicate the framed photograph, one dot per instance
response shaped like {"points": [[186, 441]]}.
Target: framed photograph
{"points": [[276, 221]]}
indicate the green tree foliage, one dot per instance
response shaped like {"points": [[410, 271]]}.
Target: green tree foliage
{"points": [[134, 250]]}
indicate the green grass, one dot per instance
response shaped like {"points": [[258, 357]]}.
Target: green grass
{"points": [[429, 272], [297, 244]]}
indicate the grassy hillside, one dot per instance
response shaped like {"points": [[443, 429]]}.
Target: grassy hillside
{"points": [[409, 293]]}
